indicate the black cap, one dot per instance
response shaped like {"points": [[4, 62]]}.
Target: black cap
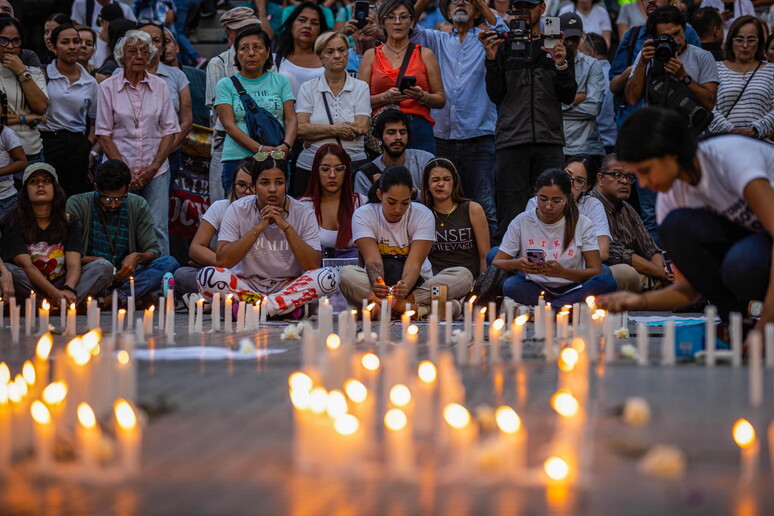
{"points": [[571, 25], [111, 12]]}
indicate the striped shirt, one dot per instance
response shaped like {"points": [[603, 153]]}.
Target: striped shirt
{"points": [[754, 109], [109, 233]]}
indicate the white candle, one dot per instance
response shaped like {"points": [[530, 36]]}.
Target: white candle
{"points": [[191, 313], [240, 322], [147, 321], [14, 311], [755, 370], [121, 317], [400, 445], [325, 319], [576, 319], [264, 309], [367, 323], [735, 324], [405, 321], [562, 330], [478, 336], [412, 336], [468, 315], [642, 344], [384, 323], [44, 313], [462, 435], [199, 316], [517, 335], [462, 348], [129, 438], [539, 326], [448, 325], [215, 313], [709, 335], [114, 311], [668, 344], [28, 317], [170, 309], [769, 334], [432, 337], [162, 314], [609, 333], [62, 313], [513, 441], [548, 319], [129, 313], [43, 435], [495, 332], [309, 356], [70, 328], [491, 310], [228, 314], [749, 450], [34, 299], [139, 331], [131, 286], [2, 312], [89, 313], [88, 436]]}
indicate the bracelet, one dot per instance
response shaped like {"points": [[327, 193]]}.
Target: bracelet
{"points": [[260, 148], [252, 230], [69, 288], [94, 153], [563, 67], [286, 144], [286, 228], [24, 118]]}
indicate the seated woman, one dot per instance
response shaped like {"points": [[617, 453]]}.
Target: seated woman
{"points": [[205, 241], [394, 236], [461, 229], [553, 248], [331, 197], [715, 211], [41, 244], [269, 245]]}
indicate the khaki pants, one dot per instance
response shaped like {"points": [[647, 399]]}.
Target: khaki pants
{"points": [[629, 279], [356, 286]]}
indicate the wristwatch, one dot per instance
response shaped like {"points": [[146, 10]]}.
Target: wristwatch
{"points": [[687, 80], [24, 76]]}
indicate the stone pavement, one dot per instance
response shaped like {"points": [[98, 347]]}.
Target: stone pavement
{"points": [[219, 441]]}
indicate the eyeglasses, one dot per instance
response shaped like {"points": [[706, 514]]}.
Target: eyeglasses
{"points": [[554, 202], [263, 156], [37, 181], [620, 176], [106, 199], [133, 52], [466, 2], [749, 41], [403, 18], [241, 187], [577, 182], [15, 42], [339, 169]]}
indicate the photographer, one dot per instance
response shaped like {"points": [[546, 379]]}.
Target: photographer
{"points": [[691, 66], [529, 82]]}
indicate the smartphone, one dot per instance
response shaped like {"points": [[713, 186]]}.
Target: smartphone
{"points": [[440, 293], [552, 32], [536, 255], [360, 13], [407, 82], [667, 262]]}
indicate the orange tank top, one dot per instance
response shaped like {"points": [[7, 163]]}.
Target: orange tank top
{"points": [[384, 77]]}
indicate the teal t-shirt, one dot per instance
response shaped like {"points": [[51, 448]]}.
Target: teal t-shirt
{"points": [[269, 91], [327, 12]]}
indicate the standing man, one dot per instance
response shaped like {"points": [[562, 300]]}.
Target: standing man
{"points": [[219, 67], [595, 46], [86, 12], [464, 127], [709, 24], [529, 86]]}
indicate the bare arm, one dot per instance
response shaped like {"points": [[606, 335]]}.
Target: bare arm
{"points": [[200, 251], [18, 162], [680, 293], [604, 247], [413, 266], [109, 147], [480, 232], [618, 83], [373, 264], [635, 87], [231, 253], [185, 117], [226, 116]]}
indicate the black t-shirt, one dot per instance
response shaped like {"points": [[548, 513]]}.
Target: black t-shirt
{"points": [[48, 257]]}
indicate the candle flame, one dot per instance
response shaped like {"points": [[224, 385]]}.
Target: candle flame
{"points": [[456, 415], [371, 306], [579, 344], [318, 400], [370, 362], [409, 313], [483, 310], [556, 468], [91, 340], [395, 419], [356, 391], [21, 384], [564, 313], [427, 371], [400, 395], [472, 300], [43, 349], [14, 393], [346, 424], [302, 400], [3, 393], [600, 313], [568, 357], [564, 403], [121, 311], [86, 416], [591, 302], [498, 324], [522, 320], [5, 373], [123, 357], [151, 308], [125, 416], [333, 341], [301, 382], [744, 433], [507, 419], [45, 306], [72, 307], [55, 393], [412, 330], [28, 372], [40, 413], [337, 404], [200, 302], [228, 297], [78, 352]]}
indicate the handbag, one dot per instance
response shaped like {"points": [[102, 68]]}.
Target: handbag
{"points": [[328, 112], [262, 126], [489, 286]]}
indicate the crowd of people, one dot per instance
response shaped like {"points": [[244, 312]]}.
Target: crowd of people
{"points": [[503, 149]]}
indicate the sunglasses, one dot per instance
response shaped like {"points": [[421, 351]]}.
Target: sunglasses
{"points": [[263, 156]]}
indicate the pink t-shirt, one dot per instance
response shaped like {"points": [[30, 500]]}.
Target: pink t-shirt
{"points": [[120, 104]]}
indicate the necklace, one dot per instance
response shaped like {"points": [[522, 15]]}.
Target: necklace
{"points": [[135, 114], [42, 217], [444, 221], [397, 52]]}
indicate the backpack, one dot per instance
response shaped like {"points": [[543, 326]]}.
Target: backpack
{"points": [[262, 126]]}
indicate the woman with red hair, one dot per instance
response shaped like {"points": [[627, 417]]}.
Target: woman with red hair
{"points": [[333, 200]]}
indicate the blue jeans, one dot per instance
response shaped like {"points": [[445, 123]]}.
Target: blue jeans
{"points": [[227, 175], [7, 204], [147, 278], [156, 192], [648, 212], [421, 135], [527, 292], [729, 265], [185, 10], [475, 161]]}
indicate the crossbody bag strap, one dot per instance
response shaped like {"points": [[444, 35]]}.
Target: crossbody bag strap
{"points": [[743, 88], [247, 100], [328, 112], [405, 63]]}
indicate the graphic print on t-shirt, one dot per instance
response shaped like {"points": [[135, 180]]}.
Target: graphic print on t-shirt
{"points": [[49, 259], [385, 248], [554, 250]]}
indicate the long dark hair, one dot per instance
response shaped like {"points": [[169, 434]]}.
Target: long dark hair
{"points": [[728, 46], [253, 30], [285, 45], [591, 174], [249, 166], [59, 29], [348, 197], [559, 177], [23, 215], [427, 195], [396, 175]]}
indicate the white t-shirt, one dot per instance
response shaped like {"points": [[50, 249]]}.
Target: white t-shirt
{"points": [[590, 207], [395, 237], [214, 215], [596, 21], [741, 8], [328, 236], [8, 142], [270, 263], [353, 100], [728, 164], [526, 232], [298, 75]]}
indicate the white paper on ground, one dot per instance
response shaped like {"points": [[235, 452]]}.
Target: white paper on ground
{"points": [[201, 353]]}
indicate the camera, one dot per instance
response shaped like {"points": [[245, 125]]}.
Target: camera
{"points": [[666, 47], [517, 38]]}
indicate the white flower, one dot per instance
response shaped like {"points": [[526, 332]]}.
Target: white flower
{"points": [[246, 346], [636, 411], [361, 336], [622, 333], [629, 351], [506, 336], [455, 334], [291, 332], [663, 461]]}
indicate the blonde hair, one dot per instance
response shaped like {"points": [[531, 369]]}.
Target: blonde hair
{"points": [[325, 38]]}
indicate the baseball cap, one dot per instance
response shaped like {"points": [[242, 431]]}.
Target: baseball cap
{"points": [[239, 18], [443, 6], [111, 12], [533, 2], [571, 25], [31, 169]]}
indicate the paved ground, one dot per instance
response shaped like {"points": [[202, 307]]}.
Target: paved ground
{"points": [[221, 444]]}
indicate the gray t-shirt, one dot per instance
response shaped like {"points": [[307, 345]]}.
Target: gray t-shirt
{"points": [[8, 142], [631, 15], [176, 82], [415, 162], [698, 63]]}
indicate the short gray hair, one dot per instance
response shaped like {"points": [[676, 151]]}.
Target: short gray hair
{"points": [[133, 37], [325, 38]]}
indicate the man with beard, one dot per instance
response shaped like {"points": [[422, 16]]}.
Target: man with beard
{"points": [[464, 127], [118, 227], [392, 130]]}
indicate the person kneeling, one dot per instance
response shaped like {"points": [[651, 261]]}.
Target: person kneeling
{"points": [[118, 227], [394, 237], [269, 245], [553, 249]]}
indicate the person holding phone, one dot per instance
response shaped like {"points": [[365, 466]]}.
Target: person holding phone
{"points": [[553, 249]]}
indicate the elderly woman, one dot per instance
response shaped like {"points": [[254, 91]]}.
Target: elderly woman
{"points": [[136, 123], [334, 108], [380, 69]]}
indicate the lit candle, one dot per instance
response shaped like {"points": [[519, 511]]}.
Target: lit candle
{"points": [[191, 313], [749, 449], [432, 337], [424, 408], [492, 312], [478, 336], [14, 311], [28, 317], [240, 322], [449, 314], [363, 406], [495, 332], [228, 313], [756, 371], [129, 437], [642, 344], [2, 312], [114, 311], [548, 320], [70, 328], [34, 299], [541, 299], [405, 321], [215, 313], [562, 329], [88, 437], [539, 325], [131, 286], [335, 365], [462, 348], [400, 445], [121, 317], [170, 309], [462, 435], [309, 357], [90, 313], [325, 319], [513, 438], [43, 436], [147, 321], [44, 312], [55, 398], [468, 316], [199, 316], [412, 336], [42, 352], [264, 309], [367, 323], [303, 442], [384, 323], [129, 314], [517, 334], [735, 323], [668, 344], [125, 371], [709, 335]]}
